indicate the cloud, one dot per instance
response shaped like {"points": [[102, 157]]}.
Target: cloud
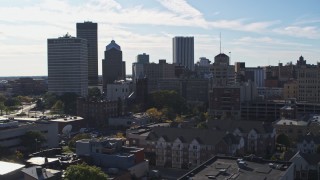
{"points": [[240, 25], [181, 7], [310, 32], [247, 40]]}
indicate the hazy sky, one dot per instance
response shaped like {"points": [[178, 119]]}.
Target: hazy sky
{"points": [[259, 33]]}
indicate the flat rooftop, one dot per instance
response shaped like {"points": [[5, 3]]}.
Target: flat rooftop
{"points": [[8, 167], [228, 168]]}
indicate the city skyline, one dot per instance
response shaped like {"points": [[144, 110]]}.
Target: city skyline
{"points": [[258, 33]]}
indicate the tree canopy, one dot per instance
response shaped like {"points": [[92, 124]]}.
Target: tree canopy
{"points": [[84, 172], [94, 93], [32, 140], [168, 99], [284, 140], [154, 114], [72, 142]]}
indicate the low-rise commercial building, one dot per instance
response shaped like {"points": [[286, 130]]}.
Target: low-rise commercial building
{"points": [[12, 130], [110, 153], [250, 167]]}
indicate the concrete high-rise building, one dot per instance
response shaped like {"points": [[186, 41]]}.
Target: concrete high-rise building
{"points": [[183, 51], [68, 65], [113, 68], [154, 72], [89, 31], [143, 58], [137, 67], [222, 73]]}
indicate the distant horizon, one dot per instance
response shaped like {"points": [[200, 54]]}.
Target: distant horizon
{"points": [[258, 33]]}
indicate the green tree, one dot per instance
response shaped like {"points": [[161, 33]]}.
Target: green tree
{"points": [[94, 92], [84, 172], [318, 149], [2, 107], [202, 125], [168, 113], [25, 99], [154, 114], [49, 99], [168, 99], [33, 140], [284, 140], [58, 107], [12, 102], [2, 98], [72, 142], [70, 103], [40, 105]]}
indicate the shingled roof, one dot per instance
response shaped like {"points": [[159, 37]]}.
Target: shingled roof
{"points": [[243, 126], [309, 137], [187, 135]]}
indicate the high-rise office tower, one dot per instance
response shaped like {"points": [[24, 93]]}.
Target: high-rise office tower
{"points": [[183, 51], [89, 31], [113, 68], [68, 65], [137, 67]]}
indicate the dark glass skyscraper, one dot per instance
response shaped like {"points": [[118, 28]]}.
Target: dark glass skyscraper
{"points": [[113, 68], [89, 31]]}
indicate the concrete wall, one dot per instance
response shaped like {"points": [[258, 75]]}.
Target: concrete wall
{"points": [[140, 169], [113, 160]]}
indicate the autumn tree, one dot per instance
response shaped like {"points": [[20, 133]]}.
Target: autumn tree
{"points": [[154, 114]]}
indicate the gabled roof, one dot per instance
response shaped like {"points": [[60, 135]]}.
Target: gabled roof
{"points": [[243, 126], [309, 137], [187, 135], [312, 159]]}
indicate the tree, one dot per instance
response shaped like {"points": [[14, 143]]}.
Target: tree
{"points": [[284, 140], [318, 149], [12, 102], [70, 103], [168, 99], [119, 135], [168, 113], [40, 105], [94, 93], [49, 100], [25, 99], [72, 142], [58, 107], [202, 125], [32, 140], [2, 107], [84, 172], [154, 114]]}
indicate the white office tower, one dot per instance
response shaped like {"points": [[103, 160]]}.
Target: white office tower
{"points": [[183, 51], [68, 65]]}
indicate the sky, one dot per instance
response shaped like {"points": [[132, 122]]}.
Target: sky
{"points": [[259, 33]]}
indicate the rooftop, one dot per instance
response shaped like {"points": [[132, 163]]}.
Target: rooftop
{"points": [[8, 167], [113, 44], [233, 168]]}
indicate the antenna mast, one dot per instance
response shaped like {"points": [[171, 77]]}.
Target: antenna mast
{"points": [[220, 42]]}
